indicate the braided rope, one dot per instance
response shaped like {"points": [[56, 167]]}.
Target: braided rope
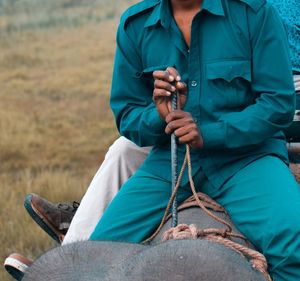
{"points": [[220, 236], [206, 200]]}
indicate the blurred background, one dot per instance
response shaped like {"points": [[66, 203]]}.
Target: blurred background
{"points": [[56, 60]]}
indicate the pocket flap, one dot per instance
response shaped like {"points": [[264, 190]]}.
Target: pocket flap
{"points": [[228, 70], [150, 69]]}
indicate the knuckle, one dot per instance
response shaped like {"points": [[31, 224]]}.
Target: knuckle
{"points": [[194, 134], [179, 86], [170, 117], [172, 114], [188, 120]]}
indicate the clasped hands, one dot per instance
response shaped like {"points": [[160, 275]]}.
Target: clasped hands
{"points": [[178, 121]]}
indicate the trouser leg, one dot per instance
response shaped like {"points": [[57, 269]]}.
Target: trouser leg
{"points": [[121, 161], [137, 209], [263, 201]]}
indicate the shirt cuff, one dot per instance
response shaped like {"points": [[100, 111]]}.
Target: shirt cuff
{"points": [[155, 122], [213, 135]]}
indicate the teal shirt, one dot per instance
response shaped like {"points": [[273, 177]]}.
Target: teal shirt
{"points": [[239, 77]]}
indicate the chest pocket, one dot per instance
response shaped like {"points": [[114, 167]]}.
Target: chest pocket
{"points": [[230, 83]]}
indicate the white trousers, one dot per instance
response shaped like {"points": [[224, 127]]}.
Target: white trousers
{"points": [[121, 161]]}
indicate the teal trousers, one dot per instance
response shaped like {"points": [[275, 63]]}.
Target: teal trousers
{"points": [[262, 199]]}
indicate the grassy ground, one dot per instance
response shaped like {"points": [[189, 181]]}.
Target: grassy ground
{"points": [[55, 122]]}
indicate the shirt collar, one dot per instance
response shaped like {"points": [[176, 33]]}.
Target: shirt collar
{"points": [[162, 12], [214, 7]]}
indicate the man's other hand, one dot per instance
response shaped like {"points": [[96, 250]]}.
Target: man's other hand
{"points": [[184, 128], [165, 83]]}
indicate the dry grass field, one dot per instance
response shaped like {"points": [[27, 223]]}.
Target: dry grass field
{"points": [[55, 121]]}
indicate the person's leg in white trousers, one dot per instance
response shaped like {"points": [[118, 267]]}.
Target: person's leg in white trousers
{"points": [[121, 161]]}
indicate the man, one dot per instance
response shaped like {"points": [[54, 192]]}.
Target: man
{"points": [[240, 96], [234, 58], [119, 157]]}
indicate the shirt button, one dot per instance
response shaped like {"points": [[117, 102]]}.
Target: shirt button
{"points": [[194, 83], [195, 120]]}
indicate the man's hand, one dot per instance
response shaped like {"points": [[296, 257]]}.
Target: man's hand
{"points": [[166, 82], [185, 128]]}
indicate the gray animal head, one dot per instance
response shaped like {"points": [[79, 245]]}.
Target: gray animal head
{"points": [[191, 260]]}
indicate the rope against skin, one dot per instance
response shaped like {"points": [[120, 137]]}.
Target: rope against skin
{"points": [[220, 236]]}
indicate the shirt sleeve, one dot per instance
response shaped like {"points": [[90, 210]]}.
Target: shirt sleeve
{"points": [[131, 96], [272, 85]]}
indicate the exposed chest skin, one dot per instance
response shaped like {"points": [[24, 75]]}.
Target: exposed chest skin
{"points": [[184, 16]]}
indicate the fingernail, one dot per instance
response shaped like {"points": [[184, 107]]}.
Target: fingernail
{"points": [[178, 78], [168, 93], [171, 78], [173, 88]]}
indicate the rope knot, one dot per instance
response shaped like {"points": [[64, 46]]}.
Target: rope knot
{"points": [[201, 233], [223, 233], [181, 231]]}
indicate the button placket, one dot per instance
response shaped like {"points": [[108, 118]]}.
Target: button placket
{"points": [[194, 69]]}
